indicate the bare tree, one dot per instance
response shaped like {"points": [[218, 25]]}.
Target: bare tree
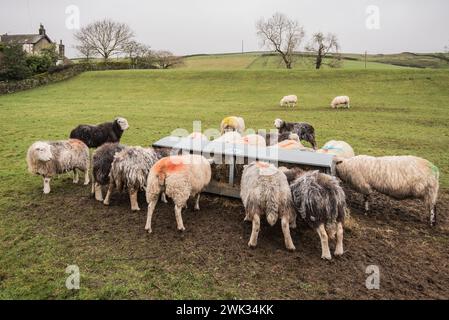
{"points": [[106, 37], [281, 34], [166, 59], [323, 45], [86, 50], [135, 50]]}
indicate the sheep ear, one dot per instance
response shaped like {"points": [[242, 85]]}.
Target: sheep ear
{"points": [[338, 160]]}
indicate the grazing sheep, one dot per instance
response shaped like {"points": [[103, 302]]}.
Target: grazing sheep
{"points": [[338, 148], [340, 100], [50, 158], [95, 136], [320, 201], [400, 177], [265, 191], [304, 130], [253, 140], [232, 124], [101, 166], [229, 137], [289, 101], [180, 177], [129, 171]]}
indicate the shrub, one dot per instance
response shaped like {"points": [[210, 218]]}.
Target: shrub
{"points": [[13, 63]]}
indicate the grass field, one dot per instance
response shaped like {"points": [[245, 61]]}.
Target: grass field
{"points": [[404, 111]]}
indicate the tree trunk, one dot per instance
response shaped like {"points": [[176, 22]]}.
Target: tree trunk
{"points": [[319, 61]]}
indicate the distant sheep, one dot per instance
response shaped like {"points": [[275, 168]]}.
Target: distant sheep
{"points": [[289, 101], [232, 124], [338, 148], [50, 158], [101, 166], [95, 136], [129, 171], [265, 191], [180, 177], [400, 177], [339, 101], [320, 201], [304, 130]]}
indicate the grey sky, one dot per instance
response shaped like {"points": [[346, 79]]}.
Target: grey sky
{"points": [[214, 26]]}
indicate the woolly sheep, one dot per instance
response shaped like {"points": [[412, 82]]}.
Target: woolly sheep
{"points": [[50, 158], [129, 171], [181, 177], [289, 145], [339, 148], [273, 138], [95, 136], [320, 202], [229, 137], [304, 130], [232, 124], [198, 136], [289, 101], [101, 166], [400, 177], [265, 191], [340, 100], [253, 140]]}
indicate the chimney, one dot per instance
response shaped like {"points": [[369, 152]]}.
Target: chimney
{"points": [[42, 30]]}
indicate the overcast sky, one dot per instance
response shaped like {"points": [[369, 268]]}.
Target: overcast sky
{"points": [[215, 26]]}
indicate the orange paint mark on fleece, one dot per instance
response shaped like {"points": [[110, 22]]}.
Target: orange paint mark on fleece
{"points": [[76, 143], [169, 165], [289, 144], [262, 164]]}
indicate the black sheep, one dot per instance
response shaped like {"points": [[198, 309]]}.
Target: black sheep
{"points": [[101, 166], [95, 136], [304, 130], [320, 201]]}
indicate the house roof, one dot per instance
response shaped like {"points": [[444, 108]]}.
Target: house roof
{"points": [[23, 38]]}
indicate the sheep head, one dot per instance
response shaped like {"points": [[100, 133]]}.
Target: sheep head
{"points": [[122, 122], [42, 151], [278, 123]]}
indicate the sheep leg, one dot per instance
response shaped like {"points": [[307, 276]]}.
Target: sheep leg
{"points": [[433, 216], [197, 202], [107, 200], [46, 185], [286, 231], [178, 216], [163, 198], [339, 248], [366, 199], [76, 177], [255, 231], [98, 192], [325, 252], [133, 200], [92, 190], [151, 207], [86, 177]]}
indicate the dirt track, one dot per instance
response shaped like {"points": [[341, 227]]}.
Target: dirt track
{"points": [[413, 258]]}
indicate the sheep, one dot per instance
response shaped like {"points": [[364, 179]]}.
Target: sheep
{"points": [[50, 158], [101, 166], [320, 201], [129, 170], [264, 190], [253, 140], [400, 177], [229, 137], [304, 130], [181, 177], [273, 138], [198, 136], [338, 148], [95, 136], [289, 145], [232, 124], [288, 101], [340, 100]]}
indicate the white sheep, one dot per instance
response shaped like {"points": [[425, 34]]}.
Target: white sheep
{"points": [[265, 191], [289, 101], [232, 124], [180, 177], [229, 137], [338, 148], [400, 177], [129, 171], [340, 100], [50, 158], [253, 140]]}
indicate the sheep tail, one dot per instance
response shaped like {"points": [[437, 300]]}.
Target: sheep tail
{"points": [[272, 211]]}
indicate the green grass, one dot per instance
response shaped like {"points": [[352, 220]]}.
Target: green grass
{"points": [[392, 112]]}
